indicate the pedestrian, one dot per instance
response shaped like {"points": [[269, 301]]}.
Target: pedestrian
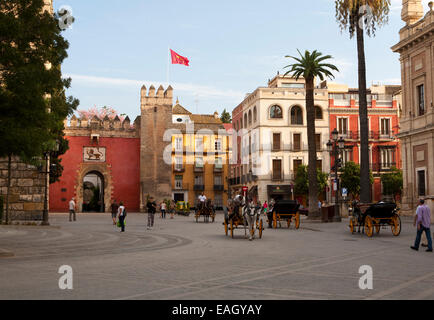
{"points": [[152, 208], [122, 215], [172, 209], [72, 209], [114, 208], [163, 208], [422, 221]]}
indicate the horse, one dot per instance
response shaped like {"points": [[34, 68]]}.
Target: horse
{"points": [[250, 214]]}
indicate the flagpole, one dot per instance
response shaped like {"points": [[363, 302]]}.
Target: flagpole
{"points": [[168, 67]]}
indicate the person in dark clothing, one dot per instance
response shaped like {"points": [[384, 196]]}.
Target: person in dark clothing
{"points": [[152, 208], [114, 208]]}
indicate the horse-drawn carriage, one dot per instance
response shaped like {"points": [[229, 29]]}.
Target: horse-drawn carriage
{"points": [[381, 215], [206, 210], [284, 210], [249, 218]]}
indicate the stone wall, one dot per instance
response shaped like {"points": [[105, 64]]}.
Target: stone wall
{"points": [[26, 195]]}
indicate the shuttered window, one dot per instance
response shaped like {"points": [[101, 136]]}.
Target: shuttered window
{"points": [[277, 169], [297, 142], [276, 141]]}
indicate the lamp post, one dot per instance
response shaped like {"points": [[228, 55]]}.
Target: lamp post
{"points": [[334, 147], [46, 178]]}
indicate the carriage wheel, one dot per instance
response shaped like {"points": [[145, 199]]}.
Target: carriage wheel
{"points": [[274, 220], [352, 225], [369, 227], [297, 221], [396, 225], [226, 227], [232, 228], [377, 227], [261, 227]]}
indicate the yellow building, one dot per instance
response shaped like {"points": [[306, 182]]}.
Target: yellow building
{"points": [[200, 157]]}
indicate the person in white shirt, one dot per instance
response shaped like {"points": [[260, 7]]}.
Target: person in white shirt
{"points": [[202, 200], [122, 215], [72, 209]]}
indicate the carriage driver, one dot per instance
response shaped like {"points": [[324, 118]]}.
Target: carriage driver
{"points": [[238, 202], [202, 200]]}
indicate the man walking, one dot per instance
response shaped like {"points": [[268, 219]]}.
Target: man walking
{"points": [[72, 209], [122, 215], [152, 208], [114, 208], [423, 222]]}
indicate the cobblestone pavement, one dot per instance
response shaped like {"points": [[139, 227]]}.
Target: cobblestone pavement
{"points": [[182, 259]]}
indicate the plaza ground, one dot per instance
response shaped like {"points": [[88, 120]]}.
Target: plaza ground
{"points": [[181, 259]]}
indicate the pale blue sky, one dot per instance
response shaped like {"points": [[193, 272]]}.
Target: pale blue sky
{"points": [[233, 47]]}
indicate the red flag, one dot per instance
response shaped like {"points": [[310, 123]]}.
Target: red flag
{"points": [[177, 59]]}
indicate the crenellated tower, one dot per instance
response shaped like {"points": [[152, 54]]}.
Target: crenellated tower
{"points": [[156, 118]]}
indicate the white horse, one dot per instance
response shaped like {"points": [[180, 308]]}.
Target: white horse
{"points": [[250, 214]]}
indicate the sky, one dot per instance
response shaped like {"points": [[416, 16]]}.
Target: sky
{"points": [[234, 47]]}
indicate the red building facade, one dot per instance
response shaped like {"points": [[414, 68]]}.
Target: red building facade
{"points": [[383, 119], [101, 165]]}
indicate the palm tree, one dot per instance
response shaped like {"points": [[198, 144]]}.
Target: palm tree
{"points": [[309, 66], [359, 16]]}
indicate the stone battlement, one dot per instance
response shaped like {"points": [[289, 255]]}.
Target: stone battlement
{"points": [[105, 128], [162, 97]]}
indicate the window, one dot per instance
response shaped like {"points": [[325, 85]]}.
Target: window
{"points": [[318, 142], [199, 162], [318, 113], [277, 169], [218, 181], [385, 127], [296, 115], [387, 158], [276, 112], [218, 145], [178, 144], [245, 120], [178, 163], [178, 182], [218, 163], [343, 126], [218, 200], [347, 156], [276, 141], [297, 142], [250, 117], [255, 114], [199, 144], [421, 183], [295, 164], [198, 180], [421, 99], [293, 85], [319, 164]]}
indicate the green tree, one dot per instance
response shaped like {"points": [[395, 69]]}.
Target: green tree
{"points": [[32, 91], [226, 117], [392, 182], [310, 66], [350, 178], [301, 183], [359, 16]]}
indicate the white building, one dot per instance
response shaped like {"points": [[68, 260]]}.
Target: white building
{"points": [[272, 143]]}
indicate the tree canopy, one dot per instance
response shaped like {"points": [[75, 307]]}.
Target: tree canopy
{"points": [[392, 182], [226, 117]]}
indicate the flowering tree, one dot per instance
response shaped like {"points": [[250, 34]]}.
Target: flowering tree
{"points": [[101, 113]]}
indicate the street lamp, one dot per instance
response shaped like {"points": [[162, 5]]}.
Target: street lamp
{"points": [[47, 177], [334, 147]]}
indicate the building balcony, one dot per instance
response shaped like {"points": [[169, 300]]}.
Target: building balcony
{"points": [[277, 177], [178, 168], [372, 135], [218, 169], [198, 169], [199, 187], [182, 187], [218, 187], [382, 167]]}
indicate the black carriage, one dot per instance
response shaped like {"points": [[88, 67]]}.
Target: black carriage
{"points": [[381, 215], [284, 210], [206, 211]]}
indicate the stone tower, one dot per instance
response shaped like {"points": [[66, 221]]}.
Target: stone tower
{"points": [[156, 118], [412, 11]]}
